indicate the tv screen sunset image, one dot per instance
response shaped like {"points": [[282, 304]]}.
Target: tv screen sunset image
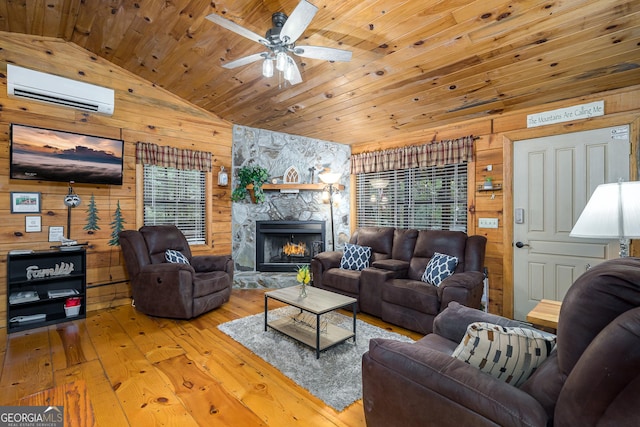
{"points": [[50, 155]]}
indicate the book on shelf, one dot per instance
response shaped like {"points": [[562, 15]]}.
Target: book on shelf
{"points": [[59, 293], [23, 296]]}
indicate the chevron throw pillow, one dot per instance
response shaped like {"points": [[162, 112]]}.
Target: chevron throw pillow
{"points": [[439, 268], [175, 257], [355, 257], [510, 354]]}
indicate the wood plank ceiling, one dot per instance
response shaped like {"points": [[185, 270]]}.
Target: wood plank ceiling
{"points": [[416, 63]]}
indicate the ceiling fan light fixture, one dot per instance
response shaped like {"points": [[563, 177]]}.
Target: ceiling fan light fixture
{"points": [[280, 41], [288, 69], [281, 60], [267, 67]]}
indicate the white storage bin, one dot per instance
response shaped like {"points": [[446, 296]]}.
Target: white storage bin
{"points": [[72, 311]]}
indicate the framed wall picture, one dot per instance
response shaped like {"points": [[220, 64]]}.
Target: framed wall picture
{"points": [[56, 234], [33, 224], [25, 202]]}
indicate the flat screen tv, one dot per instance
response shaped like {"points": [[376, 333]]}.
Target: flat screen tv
{"points": [[53, 155]]}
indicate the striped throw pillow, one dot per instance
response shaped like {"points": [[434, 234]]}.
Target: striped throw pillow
{"points": [[510, 354]]}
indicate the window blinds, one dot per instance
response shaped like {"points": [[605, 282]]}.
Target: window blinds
{"points": [[423, 198], [173, 196]]}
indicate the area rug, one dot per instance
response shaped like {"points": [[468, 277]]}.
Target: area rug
{"points": [[335, 378]]}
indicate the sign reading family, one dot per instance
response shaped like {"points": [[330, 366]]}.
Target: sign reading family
{"points": [[577, 112]]}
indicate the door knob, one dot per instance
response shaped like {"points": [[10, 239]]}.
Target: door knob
{"points": [[521, 245]]}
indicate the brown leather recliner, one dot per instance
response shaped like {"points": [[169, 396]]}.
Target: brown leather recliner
{"points": [[591, 378], [175, 290]]}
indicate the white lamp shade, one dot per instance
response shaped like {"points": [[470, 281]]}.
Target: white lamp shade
{"points": [[329, 177], [613, 212]]}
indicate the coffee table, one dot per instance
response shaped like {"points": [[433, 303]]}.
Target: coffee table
{"points": [[317, 302]]}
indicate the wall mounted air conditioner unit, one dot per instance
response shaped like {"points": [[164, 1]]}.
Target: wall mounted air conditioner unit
{"points": [[29, 84]]}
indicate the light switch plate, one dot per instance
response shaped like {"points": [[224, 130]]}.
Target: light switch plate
{"points": [[487, 222]]}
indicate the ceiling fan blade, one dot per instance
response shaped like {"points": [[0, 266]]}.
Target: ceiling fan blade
{"points": [[245, 60], [298, 21], [326, 53], [295, 76], [232, 26]]}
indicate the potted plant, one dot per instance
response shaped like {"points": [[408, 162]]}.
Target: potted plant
{"points": [[250, 175], [303, 277], [488, 183]]}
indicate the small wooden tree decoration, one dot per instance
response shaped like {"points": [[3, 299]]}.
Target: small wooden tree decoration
{"points": [[92, 216], [116, 226]]}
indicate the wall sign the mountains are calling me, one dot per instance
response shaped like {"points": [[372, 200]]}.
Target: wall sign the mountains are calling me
{"points": [[577, 112]]}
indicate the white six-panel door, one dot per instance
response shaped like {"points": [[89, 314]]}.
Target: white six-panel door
{"points": [[553, 180]]}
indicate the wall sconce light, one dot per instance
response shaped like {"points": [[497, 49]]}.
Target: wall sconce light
{"points": [[223, 178]]}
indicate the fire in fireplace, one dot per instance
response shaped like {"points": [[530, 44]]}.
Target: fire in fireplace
{"points": [[284, 245], [294, 249]]}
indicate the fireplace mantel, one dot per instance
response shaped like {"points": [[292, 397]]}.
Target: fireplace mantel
{"points": [[296, 186], [291, 188]]}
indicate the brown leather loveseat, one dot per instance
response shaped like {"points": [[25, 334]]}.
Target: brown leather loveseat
{"points": [[391, 287], [591, 378]]}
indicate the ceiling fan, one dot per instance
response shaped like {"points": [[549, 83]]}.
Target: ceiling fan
{"points": [[280, 41]]}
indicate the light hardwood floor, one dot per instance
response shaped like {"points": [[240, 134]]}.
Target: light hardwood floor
{"points": [[141, 370]]}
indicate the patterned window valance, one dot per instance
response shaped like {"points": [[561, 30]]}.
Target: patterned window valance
{"points": [[416, 156], [171, 157]]}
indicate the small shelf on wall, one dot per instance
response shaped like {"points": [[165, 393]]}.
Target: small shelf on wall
{"points": [[496, 187]]}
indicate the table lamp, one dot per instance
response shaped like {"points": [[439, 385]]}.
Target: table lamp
{"points": [[613, 212]]}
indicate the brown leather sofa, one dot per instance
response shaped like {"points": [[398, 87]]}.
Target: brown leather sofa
{"points": [[591, 378], [391, 287], [175, 290]]}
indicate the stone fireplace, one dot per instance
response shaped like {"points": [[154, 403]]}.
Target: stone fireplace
{"points": [[284, 245], [278, 153]]}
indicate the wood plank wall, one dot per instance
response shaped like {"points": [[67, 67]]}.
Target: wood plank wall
{"points": [[143, 112], [497, 134]]}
